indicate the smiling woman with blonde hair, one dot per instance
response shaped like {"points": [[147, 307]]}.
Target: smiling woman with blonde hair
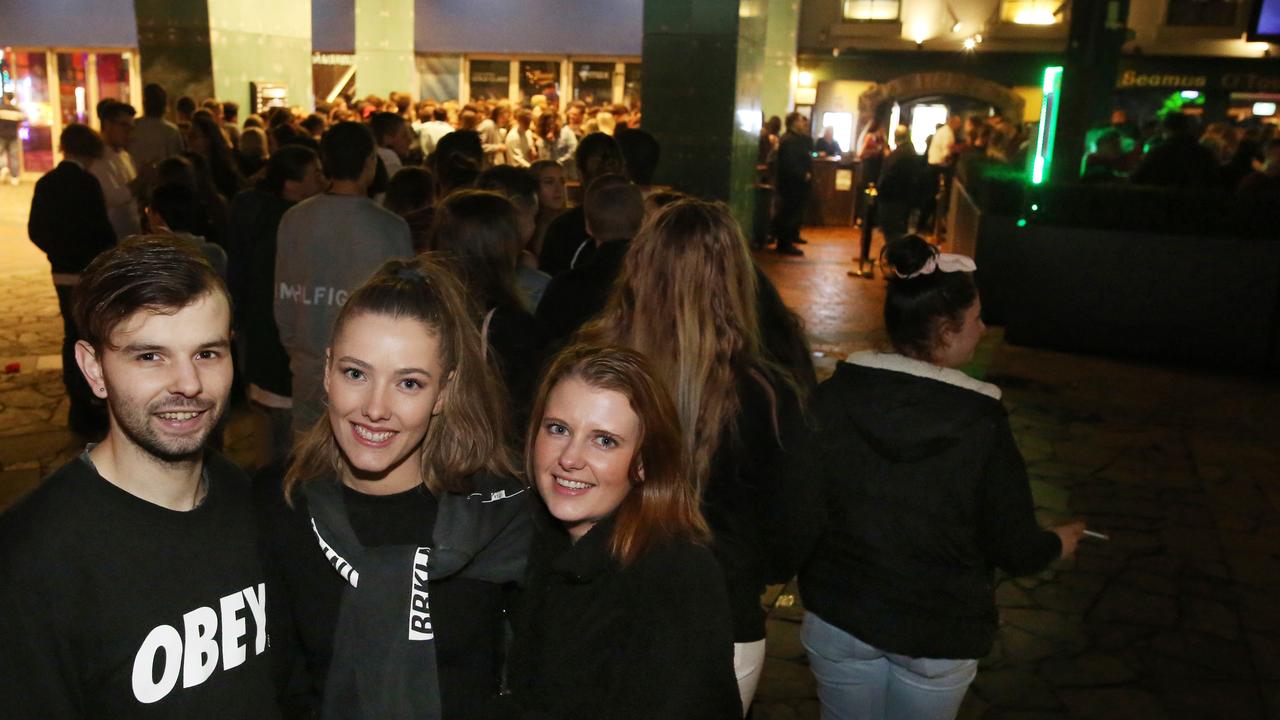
{"points": [[399, 522]]}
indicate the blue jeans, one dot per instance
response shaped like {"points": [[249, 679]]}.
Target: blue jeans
{"points": [[859, 682], [9, 151]]}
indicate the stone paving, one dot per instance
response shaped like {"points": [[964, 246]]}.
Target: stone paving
{"points": [[1177, 616]]}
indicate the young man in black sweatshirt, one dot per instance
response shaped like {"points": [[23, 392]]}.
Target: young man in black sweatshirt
{"points": [[129, 579]]}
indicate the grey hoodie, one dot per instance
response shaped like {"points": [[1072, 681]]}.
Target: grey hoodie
{"points": [[327, 246]]}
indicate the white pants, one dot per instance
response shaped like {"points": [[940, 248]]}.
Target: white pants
{"points": [[748, 661]]}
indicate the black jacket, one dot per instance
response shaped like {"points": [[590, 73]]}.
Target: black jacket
{"points": [[350, 645], [899, 504], [565, 238], [251, 266], [740, 480], [68, 218], [795, 164], [574, 297], [900, 176], [595, 640]]}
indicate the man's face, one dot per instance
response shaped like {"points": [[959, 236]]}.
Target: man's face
{"points": [[401, 141], [574, 115], [116, 132], [802, 125], [166, 377], [313, 182]]}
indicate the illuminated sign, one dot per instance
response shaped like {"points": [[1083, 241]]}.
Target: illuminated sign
{"points": [[1048, 124]]}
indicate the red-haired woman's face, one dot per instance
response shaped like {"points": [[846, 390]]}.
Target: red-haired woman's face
{"points": [[587, 438]]}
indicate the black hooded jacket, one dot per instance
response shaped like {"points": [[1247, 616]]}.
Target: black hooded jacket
{"points": [[900, 502]]}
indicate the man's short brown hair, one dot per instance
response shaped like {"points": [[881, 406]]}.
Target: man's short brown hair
{"points": [[614, 208], [150, 272]]}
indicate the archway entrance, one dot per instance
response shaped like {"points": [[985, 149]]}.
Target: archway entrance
{"points": [[938, 85]]}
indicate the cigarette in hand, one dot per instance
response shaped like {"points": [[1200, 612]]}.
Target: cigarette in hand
{"points": [[1096, 535]]}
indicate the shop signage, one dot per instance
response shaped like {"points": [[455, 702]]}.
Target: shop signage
{"points": [[1155, 77], [1251, 82], [1133, 79]]}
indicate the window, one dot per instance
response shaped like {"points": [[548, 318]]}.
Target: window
{"points": [[1212, 13], [631, 85], [490, 79], [593, 82], [540, 77], [113, 77], [870, 10], [841, 124], [1031, 12]]}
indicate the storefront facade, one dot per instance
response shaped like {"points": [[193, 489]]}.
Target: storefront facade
{"points": [[869, 56], [57, 86]]}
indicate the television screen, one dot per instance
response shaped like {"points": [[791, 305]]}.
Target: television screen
{"points": [[1266, 21]]}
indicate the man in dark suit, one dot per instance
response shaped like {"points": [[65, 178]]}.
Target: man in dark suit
{"points": [[794, 173], [69, 223]]}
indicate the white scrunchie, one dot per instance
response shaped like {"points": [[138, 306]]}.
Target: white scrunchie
{"points": [[946, 262]]}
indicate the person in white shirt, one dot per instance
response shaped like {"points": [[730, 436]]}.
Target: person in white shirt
{"points": [[523, 145], [943, 140], [434, 129], [493, 134], [115, 170]]}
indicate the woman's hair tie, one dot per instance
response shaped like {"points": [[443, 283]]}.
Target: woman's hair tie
{"points": [[410, 273], [941, 262]]}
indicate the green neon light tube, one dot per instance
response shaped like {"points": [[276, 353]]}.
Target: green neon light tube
{"points": [[1048, 124]]}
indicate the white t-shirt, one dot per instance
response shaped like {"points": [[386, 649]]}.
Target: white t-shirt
{"points": [[114, 171], [940, 148]]}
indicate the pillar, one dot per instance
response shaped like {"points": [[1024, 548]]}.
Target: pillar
{"points": [[1098, 31], [703, 77], [779, 56], [384, 48], [216, 48]]}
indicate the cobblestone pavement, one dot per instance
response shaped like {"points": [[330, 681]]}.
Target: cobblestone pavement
{"points": [[1178, 615], [1175, 617]]}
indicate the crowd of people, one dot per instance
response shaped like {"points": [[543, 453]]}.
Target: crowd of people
{"points": [[1174, 152], [528, 460]]}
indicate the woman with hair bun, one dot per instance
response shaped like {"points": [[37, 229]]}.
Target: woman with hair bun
{"points": [[624, 614], [899, 505], [399, 525]]}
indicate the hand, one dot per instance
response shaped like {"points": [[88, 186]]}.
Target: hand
{"points": [[1070, 534]]}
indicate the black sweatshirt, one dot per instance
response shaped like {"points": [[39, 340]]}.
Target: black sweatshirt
{"points": [[467, 614], [734, 500], [899, 504], [594, 640], [68, 219], [112, 607]]}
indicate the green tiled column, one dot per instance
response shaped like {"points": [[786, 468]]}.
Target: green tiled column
{"points": [[256, 41], [703, 77], [384, 48], [780, 56], [215, 48]]}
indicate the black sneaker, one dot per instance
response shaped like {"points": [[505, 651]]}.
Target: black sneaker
{"points": [[791, 250], [800, 241]]}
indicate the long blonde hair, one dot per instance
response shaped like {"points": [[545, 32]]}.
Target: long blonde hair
{"points": [[686, 298], [468, 435]]}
